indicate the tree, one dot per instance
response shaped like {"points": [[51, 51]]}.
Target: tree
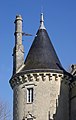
{"points": [[5, 112]]}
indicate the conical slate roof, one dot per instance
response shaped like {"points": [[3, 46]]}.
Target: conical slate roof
{"points": [[42, 54]]}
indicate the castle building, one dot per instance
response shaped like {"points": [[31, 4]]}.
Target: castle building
{"points": [[42, 89]]}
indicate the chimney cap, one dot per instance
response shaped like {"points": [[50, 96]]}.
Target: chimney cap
{"points": [[18, 17]]}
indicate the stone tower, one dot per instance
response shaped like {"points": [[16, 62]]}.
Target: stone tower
{"points": [[39, 91]]}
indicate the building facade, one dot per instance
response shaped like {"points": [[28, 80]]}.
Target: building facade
{"points": [[42, 89]]}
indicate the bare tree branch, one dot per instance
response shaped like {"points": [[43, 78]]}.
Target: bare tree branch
{"points": [[5, 112]]}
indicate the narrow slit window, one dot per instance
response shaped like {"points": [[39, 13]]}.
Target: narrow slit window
{"points": [[29, 95], [30, 119]]}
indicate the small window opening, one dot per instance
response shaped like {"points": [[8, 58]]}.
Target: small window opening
{"points": [[29, 118], [29, 95]]}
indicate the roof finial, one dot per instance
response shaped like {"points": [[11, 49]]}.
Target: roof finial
{"points": [[42, 22]]}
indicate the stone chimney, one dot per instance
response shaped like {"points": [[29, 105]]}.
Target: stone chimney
{"points": [[18, 51]]}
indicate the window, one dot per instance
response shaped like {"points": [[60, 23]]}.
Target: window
{"points": [[29, 95], [29, 118]]}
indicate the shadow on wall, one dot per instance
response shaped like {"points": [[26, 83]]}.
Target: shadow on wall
{"points": [[62, 104]]}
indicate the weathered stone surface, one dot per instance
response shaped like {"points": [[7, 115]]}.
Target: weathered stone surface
{"points": [[18, 51], [45, 95]]}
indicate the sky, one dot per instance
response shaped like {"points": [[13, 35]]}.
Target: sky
{"points": [[60, 22]]}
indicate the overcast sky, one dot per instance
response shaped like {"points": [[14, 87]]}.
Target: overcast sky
{"points": [[60, 22]]}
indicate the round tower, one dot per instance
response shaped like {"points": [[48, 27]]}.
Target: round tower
{"points": [[36, 86]]}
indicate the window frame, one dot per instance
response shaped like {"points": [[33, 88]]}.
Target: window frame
{"points": [[30, 94]]}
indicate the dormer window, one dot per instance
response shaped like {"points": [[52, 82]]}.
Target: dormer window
{"points": [[29, 95]]}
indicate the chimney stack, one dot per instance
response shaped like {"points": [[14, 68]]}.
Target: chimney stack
{"points": [[18, 51]]}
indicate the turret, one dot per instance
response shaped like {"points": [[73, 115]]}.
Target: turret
{"points": [[18, 51], [39, 89]]}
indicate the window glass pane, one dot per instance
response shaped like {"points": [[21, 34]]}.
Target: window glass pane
{"points": [[32, 95]]}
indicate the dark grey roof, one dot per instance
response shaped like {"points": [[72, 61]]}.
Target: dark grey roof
{"points": [[41, 54]]}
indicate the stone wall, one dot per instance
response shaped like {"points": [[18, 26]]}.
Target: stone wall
{"points": [[46, 91], [63, 101], [18, 100], [73, 101]]}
